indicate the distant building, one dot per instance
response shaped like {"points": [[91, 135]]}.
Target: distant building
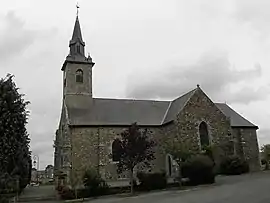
{"points": [[49, 172], [34, 176], [42, 179], [42, 176]]}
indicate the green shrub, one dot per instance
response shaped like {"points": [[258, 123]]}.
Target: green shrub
{"points": [[67, 193], [199, 170], [59, 187], [151, 181], [4, 199], [233, 165], [94, 184], [8, 184]]}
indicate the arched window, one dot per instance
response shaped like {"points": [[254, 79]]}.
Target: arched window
{"points": [[116, 150], [79, 76], [204, 137]]}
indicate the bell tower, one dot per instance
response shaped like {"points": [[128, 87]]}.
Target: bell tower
{"points": [[77, 69]]}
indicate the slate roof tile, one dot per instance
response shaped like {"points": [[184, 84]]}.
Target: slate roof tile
{"points": [[82, 110]]}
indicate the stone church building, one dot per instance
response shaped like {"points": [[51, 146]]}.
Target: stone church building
{"points": [[89, 126]]}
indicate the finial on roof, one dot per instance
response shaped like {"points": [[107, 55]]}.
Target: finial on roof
{"points": [[77, 6], [198, 85]]}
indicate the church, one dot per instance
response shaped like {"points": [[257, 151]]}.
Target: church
{"points": [[89, 126]]}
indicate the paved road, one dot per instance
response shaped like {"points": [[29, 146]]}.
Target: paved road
{"points": [[248, 188], [35, 194]]}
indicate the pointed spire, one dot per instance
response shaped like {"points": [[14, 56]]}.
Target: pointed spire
{"points": [[76, 43], [77, 34]]}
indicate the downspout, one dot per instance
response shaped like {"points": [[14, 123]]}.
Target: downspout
{"points": [[98, 151]]}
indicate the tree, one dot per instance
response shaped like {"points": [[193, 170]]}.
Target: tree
{"points": [[15, 157], [266, 155], [134, 147], [49, 166]]}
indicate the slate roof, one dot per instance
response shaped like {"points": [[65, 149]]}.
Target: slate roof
{"points": [[236, 119], [84, 111], [117, 112], [176, 106]]}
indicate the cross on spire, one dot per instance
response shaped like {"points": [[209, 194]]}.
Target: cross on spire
{"points": [[77, 6]]}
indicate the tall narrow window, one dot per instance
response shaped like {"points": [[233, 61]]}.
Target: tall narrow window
{"points": [[169, 165], [204, 137], [79, 76], [65, 79], [116, 150], [78, 49]]}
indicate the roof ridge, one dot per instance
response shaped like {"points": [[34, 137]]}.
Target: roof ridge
{"points": [[166, 112], [126, 99], [191, 92], [184, 94]]}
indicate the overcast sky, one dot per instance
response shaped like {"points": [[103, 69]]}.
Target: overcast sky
{"points": [[152, 49]]}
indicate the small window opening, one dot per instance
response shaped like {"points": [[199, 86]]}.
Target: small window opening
{"points": [[79, 76]]}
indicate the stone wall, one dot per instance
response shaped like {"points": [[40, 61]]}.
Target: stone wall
{"points": [[69, 79], [247, 146], [62, 145], [198, 109], [169, 135], [92, 147]]}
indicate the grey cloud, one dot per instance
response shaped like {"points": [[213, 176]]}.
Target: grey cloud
{"points": [[264, 136], [45, 112], [41, 148], [15, 38], [255, 13], [38, 76], [249, 10], [246, 95], [42, 141], [212, 71]]}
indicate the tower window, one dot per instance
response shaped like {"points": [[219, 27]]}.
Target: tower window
{"points": [[78, 49], [79, 76]]}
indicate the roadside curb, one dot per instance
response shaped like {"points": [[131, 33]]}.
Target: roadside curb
{"points": [[89, 198], [141, 194]]}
